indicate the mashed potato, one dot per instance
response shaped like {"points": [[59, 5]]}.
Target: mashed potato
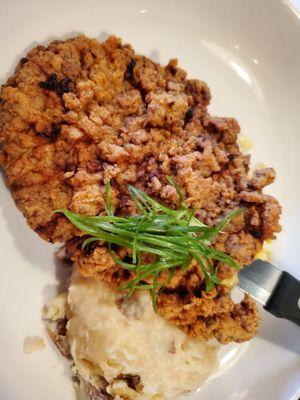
{"points": [[138, 353]]}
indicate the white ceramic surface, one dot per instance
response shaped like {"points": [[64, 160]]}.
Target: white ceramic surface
{"points": [[248, 53]]}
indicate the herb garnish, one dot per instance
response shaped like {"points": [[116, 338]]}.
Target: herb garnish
{"points": [[174, 237]]}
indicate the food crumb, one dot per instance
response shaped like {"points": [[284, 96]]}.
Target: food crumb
{"points": [[55, 308], [68, 174], [245, 143], [256, 167], [157, 397], [265, 253], [230, 282], [261, 165], [33, 344]]}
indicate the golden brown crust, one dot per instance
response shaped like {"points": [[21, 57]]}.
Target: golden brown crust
{"points": [[79, 112]]}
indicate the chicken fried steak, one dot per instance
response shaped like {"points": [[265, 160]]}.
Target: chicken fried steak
{"points": [[78, 112]]}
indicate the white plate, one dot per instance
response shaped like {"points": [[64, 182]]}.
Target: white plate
{"points": [[248, 53]]}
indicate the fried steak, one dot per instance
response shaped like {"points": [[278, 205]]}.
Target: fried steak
{"points": [[78, 112]]}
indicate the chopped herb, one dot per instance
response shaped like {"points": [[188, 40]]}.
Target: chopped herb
{"points": [[174, 237]]}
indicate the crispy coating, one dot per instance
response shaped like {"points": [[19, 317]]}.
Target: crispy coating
{"points": [[78, 112]]}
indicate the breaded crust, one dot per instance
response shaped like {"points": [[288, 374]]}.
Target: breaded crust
{"points": [[79, 111]]}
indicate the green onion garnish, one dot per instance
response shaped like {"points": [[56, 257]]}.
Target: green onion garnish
{"points": [[174, 237]]}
